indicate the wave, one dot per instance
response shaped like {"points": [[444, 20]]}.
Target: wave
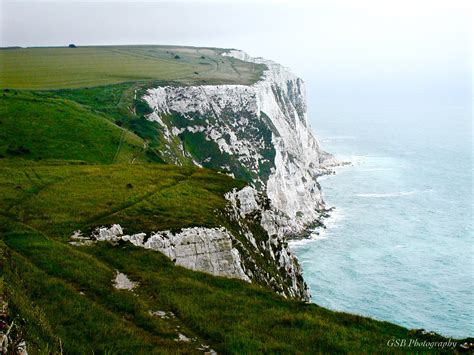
{"points": [[376, 169], [320, 233], [330, 222], [301, 242], [333, 138], [349, 160], [353, 158], [393, 194], [364, 159]]}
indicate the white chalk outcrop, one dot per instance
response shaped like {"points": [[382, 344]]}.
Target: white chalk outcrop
{"points": [[234, 117], [122, 282], [202, 249]]}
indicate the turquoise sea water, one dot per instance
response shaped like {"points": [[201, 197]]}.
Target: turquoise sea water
{"points": [[399, 244]]}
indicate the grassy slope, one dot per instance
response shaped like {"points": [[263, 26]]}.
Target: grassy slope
{"points": [[59, 198], [42, 204], [35, 127], [121, 104], [54, 68], [66, 292]]}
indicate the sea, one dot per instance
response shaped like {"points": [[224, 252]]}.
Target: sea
{"points": [[398, 245]]}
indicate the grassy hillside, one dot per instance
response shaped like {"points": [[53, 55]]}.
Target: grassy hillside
{"points": [[65, 293], [35, 127], [59, 198], [59, 67], [105, 124]]}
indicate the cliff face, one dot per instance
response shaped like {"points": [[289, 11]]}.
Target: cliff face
{"points": [[260, 228], [258, 133]]}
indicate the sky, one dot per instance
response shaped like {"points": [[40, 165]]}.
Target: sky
{"points": [[357, 48]]}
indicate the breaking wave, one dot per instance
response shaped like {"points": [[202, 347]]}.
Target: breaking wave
{"points": [[393, 194], [320, 233]]}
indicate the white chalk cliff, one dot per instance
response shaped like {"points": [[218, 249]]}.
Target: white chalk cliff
{"points": [[263, 128], [199, 248], [258, 133]]}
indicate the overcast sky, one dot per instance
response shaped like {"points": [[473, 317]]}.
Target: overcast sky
{"points": [[341, 43]]}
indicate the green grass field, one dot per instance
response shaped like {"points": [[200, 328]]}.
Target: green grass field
{"points": [[77, 155], [59, 67]]}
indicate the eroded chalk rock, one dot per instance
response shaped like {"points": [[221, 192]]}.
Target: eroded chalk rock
{"points": [[248, 203], [202, 249]]}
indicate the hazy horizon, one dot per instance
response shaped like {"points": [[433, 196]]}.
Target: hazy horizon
{"points": [[390, 49]]}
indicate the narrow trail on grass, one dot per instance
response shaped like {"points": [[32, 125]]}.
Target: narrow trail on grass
{"points": [[102, 306], [129, 204], [214, 68], [146, 56], [39, 188], [122, 138], [235, 69]]}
